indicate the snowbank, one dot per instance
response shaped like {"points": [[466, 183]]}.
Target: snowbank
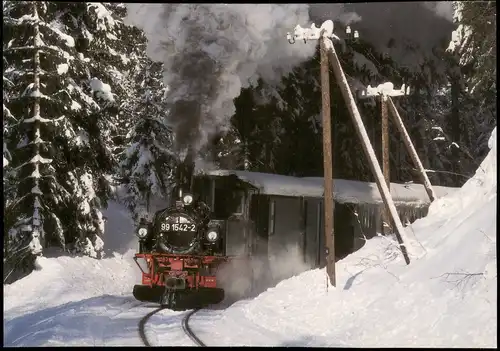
{"points": [[64, 279], [447, 298]]}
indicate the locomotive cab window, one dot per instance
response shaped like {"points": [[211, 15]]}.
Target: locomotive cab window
{"points": [[202, 188], [228, 198]]}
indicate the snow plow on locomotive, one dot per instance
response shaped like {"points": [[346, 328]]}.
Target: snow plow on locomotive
{"points": [[182, 249]]}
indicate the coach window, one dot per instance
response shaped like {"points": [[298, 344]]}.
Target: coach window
{"points": [[239, 198], [272, 217]]}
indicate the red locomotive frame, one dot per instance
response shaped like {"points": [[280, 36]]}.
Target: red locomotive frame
{"points": [[180, 281], [187, 267]]}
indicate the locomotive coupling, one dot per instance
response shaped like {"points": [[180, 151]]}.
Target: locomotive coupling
{"points": [[175, 283]]}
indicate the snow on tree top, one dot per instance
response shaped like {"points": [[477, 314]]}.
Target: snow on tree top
{"points": [[62, 68], [101, 89], [68, 39], [103, 15]]}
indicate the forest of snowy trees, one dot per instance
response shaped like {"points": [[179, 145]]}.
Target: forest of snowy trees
{"points": [[85, 111]]}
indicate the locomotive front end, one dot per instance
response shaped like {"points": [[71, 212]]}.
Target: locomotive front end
{"points": [[180, 250], [177, 232]]}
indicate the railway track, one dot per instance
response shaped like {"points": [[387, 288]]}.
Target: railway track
{"points": [[189, 331], [185, 326]]}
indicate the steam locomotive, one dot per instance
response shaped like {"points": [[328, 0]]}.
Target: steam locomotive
{"points": [[182, 249]]}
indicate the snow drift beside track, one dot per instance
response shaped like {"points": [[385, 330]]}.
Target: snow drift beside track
{"points": [[446, 298]]}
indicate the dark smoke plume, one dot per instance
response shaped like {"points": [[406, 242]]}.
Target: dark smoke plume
{"points": [[211, 51]]}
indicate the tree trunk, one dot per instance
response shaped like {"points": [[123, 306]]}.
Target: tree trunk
{"points": [[36, 232], [454, 124]]}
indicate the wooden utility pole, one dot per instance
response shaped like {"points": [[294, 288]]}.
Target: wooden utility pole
{"points": [[329, 206], [386, 225], [367, 147], [385, 92], [322, 34], [411, 150]]}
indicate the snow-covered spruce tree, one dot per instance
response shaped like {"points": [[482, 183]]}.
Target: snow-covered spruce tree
{"points": [[300, 117], [135, 122], [112, 51], [472, 52], [228, 151], [423, 112], [56, 164], [8, 122], [256, 129], [26, 215], [146, 170]]}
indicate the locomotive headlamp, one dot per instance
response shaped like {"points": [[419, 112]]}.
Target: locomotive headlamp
{"points": [[212, 235], [142, 232], [187, 199]]}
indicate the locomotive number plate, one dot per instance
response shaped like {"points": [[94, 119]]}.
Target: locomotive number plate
{"points": [[178, 227]]}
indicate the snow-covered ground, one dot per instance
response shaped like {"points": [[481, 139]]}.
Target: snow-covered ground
{"points": [[446, 298]]}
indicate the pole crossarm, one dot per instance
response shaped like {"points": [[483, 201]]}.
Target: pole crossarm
{"points": [[315, 33], [385, 89]]}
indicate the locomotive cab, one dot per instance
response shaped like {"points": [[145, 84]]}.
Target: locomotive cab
{"points": [[228, 198]]}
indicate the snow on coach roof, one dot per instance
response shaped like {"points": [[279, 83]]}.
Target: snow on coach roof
{"points": [[345, 191], [275, 184]]}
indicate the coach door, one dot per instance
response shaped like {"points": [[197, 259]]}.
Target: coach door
{"points": [[230, 205], [285, 228], [259, 217]]}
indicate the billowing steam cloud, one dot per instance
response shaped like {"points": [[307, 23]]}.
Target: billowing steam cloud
{"points": [[442, 9], [212, 51]]}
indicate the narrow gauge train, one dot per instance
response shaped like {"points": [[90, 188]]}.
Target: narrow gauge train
{"points": [[182, 247], [233, 216]]}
